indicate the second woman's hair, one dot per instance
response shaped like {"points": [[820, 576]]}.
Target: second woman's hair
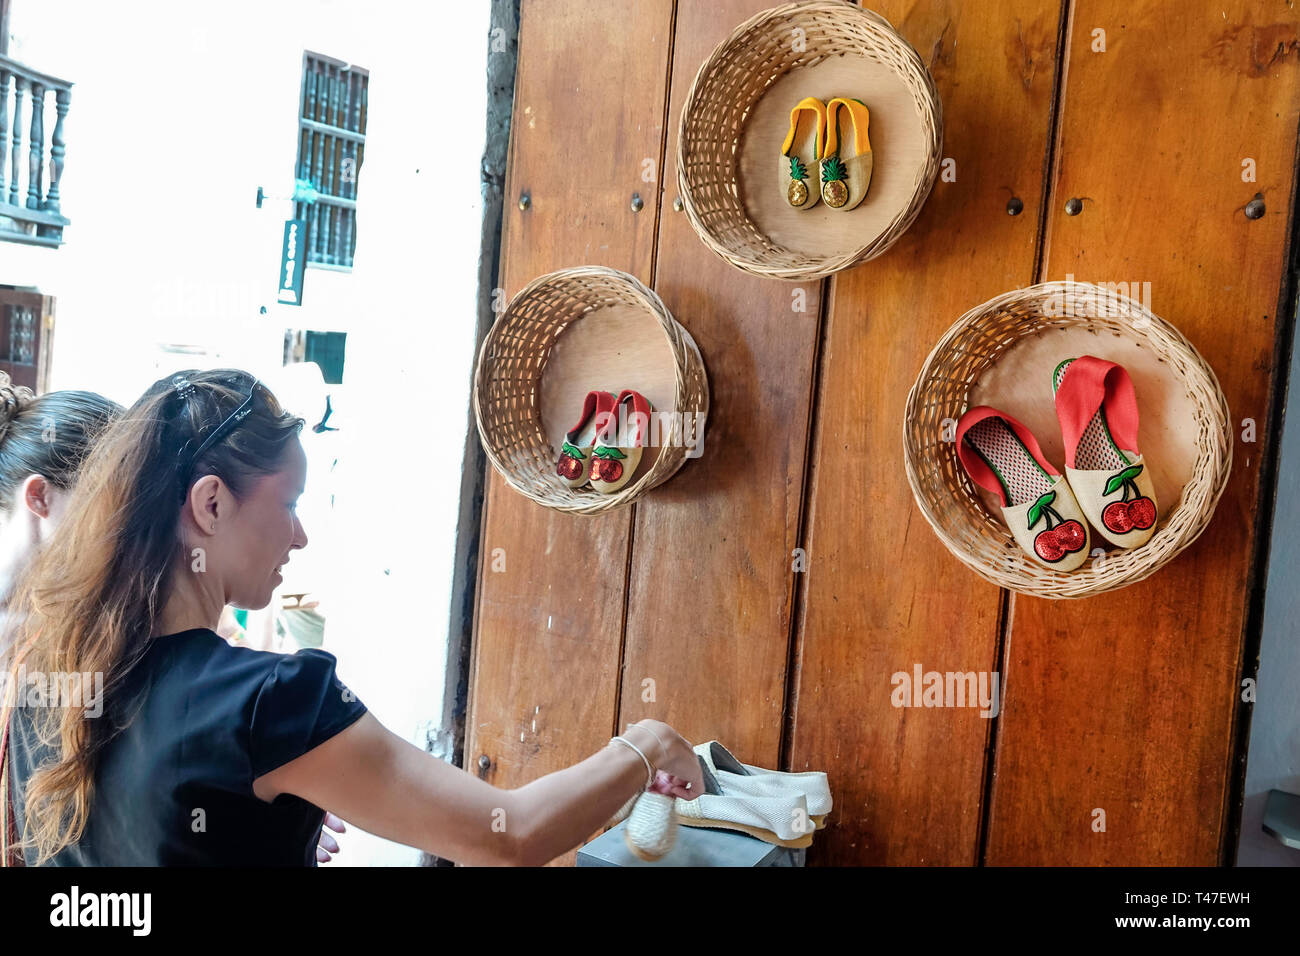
{"points": [[48, 436], [91, 599]]}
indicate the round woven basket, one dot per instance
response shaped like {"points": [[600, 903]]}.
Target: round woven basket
{"points": [[513, 360], [721, 100], [1177, 382]]}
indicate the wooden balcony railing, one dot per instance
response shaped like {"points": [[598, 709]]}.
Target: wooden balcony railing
{"points": [[29, 213]]}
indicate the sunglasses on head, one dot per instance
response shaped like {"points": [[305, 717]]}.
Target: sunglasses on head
{"points": [[184, 387]]}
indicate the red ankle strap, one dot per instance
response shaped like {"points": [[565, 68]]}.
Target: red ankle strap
{"points": [[1090, 383]]}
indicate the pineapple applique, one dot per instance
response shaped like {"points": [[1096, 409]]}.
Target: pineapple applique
{"points": [[835, 191], [797, 194]]}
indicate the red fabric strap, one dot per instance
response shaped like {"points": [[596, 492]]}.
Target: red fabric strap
{"points": [[976, 467], [1090, 383], [597, 402], [640, 407]]}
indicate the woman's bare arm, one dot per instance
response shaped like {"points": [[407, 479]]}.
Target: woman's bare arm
{"points": [[371, 777]]}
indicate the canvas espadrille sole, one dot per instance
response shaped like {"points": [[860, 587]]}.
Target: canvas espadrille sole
{"points": [[651, 829]]}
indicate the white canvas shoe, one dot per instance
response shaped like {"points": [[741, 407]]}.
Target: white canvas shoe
{"points": [[773, 814], [813, 784]]}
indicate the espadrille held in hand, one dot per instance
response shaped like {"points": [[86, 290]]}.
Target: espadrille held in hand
{"points": [[574, 464], [651, 829], [802, 151], [1002, 456], [618, 447], [847, 160], [1097, 407]]}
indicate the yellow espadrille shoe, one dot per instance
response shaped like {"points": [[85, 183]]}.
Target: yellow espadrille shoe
{"points": [[802, 152], [846, 161]]}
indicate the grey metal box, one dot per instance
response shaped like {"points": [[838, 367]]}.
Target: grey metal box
{"points": [[695, 846]]}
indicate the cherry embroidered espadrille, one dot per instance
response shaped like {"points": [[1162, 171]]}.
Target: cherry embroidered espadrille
{"points": [[1038, 505], [619, 445], [1097, 407], [574, 463]]}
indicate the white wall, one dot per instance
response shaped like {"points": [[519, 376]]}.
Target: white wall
{"points": [[179, 112]]}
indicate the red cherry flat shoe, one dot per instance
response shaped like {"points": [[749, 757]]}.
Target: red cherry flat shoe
{"points": [[1038, 505], [574, 464], [1097, 408], [618, 447]]}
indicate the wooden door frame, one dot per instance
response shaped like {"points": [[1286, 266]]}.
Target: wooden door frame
{"points": [[448, 739], [45, 308]]}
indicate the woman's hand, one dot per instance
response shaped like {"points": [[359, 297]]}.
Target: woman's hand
{"points": [[328, 844], [678, 769]]}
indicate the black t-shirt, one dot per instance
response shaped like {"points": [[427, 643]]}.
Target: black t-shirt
{"points": [[202, 720]]}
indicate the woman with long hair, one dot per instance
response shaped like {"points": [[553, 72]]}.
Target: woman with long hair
{"points": [[43, 442], [204, 753]]}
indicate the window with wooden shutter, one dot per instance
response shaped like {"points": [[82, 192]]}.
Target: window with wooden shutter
{"points": [[331, 149]]}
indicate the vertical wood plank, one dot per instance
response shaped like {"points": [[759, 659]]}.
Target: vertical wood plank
{"points": [[881, 593], [589, 105], [710, 583], [1126, 703]]}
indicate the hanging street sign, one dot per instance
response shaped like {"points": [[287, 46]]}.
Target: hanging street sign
{"points": [[293, 259]]}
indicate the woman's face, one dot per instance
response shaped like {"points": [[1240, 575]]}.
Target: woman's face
{"points": [[263, 530]]}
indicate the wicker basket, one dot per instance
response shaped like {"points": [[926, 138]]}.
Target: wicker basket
{"points": [[823, 48], [512, 363], [1052, 321]]}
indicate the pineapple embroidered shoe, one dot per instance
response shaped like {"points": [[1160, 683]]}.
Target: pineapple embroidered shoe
{"points": [[618, 446], [1097, 408], [846, 166], [1038, 504], [574, 464], [802, 151]]}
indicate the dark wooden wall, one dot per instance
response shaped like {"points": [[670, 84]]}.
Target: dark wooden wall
{"points": [[1126, 703]]}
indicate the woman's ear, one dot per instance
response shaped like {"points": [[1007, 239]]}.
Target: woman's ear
{"points": [[37, 494], [205, 503]]}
